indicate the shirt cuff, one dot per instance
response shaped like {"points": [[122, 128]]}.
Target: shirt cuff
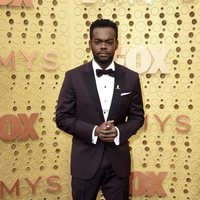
{"points": [[116, 140], [94, 137]]}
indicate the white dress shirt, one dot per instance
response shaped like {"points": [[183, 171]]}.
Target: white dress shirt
{"points": [[105, 88]]}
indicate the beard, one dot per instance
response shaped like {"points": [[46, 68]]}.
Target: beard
{"points": [[103, 59]]}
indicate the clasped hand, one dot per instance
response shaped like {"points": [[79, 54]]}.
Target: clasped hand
{"points": [[106, 131]]}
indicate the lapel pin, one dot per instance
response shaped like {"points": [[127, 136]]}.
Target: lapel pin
{"points": [[117, 88]]}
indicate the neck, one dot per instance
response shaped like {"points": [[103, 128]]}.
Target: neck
{"points": [[103, 65]]}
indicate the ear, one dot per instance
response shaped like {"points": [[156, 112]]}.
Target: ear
{"points": [[117, 45]]}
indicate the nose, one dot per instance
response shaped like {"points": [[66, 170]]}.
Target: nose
{"points": [[103, 45]]}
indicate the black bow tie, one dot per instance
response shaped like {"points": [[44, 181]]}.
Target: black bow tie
{"points": [[101, 72]]}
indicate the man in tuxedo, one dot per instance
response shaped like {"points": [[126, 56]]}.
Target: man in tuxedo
{"points": [[100, 105]]}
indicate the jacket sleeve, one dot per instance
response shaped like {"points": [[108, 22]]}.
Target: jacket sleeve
{"points": [[66, 113], [135, 116]]}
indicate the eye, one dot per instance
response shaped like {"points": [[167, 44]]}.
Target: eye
{"points": [[110, 42], [97, 42]]}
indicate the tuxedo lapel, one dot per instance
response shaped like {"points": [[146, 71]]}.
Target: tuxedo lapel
{"points": [[90, 82], [119, 82]]}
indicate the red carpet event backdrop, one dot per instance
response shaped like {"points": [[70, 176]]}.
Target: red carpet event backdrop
{"points": [[41, 39]]}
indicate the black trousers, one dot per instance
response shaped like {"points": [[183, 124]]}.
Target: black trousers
{"points": [[113, 187]]}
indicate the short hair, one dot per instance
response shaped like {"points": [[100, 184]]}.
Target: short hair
{"points": [[103, 23]]}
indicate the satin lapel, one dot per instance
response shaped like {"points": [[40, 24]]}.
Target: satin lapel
{"points": [[90, 82], [119, 82]]}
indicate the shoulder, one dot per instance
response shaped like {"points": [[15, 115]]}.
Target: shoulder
{"points": [[126, 70], [79, 69]]}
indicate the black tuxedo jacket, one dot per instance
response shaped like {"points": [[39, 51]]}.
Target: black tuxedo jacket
{"points": [[79, 110]]}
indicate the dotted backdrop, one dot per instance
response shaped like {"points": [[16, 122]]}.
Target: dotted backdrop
{"points": [[37, 46]]}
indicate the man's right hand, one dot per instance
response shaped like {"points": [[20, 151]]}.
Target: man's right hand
{"points": [[106, 131]]}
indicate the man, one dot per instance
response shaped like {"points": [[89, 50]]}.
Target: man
{"points": [[102, 111]]}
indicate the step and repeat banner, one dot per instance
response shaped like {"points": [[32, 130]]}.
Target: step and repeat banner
{"points": [[41, 39]]}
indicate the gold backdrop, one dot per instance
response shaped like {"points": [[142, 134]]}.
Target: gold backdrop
{"points": [[41, 39]]}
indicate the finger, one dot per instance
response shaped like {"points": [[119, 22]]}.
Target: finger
{"points": [[107, 137], [107, 132], [110, 123]]}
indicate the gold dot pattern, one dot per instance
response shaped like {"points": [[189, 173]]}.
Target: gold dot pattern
{"points": [[51, 38]]}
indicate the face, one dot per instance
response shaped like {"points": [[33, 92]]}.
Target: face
{"points": [[103, 45]]}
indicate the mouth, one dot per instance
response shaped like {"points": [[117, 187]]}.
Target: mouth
{"points": [[103, 54]]}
